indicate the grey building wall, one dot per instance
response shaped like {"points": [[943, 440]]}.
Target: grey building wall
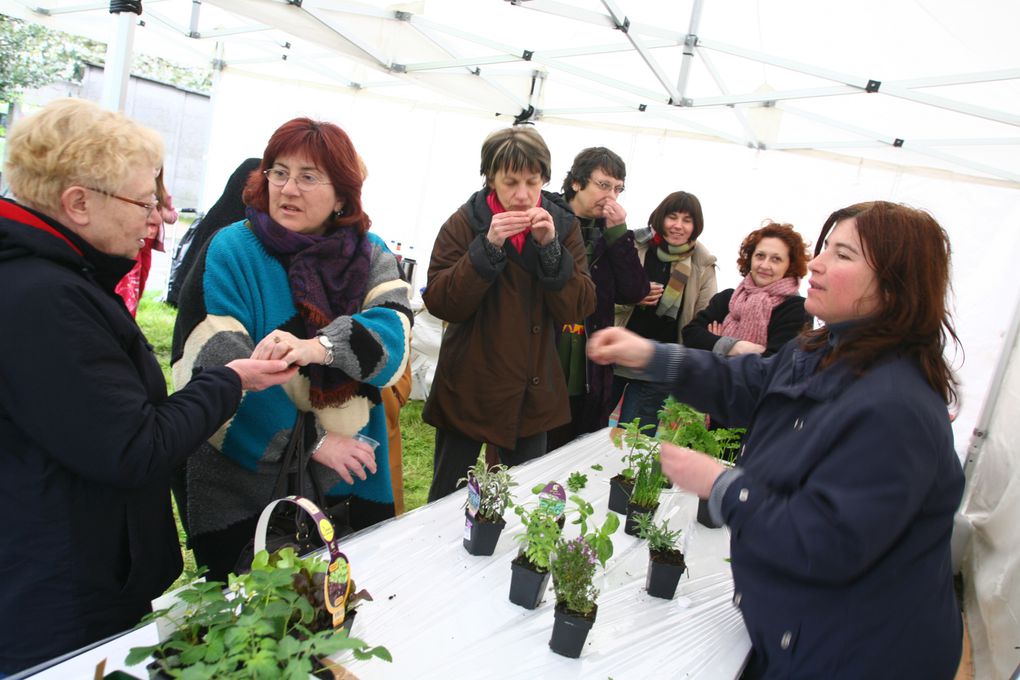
{"points": [[182, 117]]}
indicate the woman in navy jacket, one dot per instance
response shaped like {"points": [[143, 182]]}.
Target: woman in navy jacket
{"points": [[841, 506]]}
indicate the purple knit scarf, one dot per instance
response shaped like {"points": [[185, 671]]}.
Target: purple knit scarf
{"points": [[328, 278]]}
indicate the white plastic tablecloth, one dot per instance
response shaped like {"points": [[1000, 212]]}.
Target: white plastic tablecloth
{"points": [[443, 613]]}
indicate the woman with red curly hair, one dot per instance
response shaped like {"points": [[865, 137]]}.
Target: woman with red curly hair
{"points": [[765, 311], [302, 279]]}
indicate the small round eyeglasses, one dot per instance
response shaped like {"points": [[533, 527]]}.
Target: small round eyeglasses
{"points": [[305, 181]]}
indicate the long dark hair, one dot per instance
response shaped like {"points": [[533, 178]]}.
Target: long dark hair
{"points": [[910, 253]]}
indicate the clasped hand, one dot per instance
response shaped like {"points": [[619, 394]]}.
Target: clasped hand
{"points": [[292, 349], [348, 457], [740, 346], [512, 222]]}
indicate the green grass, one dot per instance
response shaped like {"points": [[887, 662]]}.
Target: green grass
{"points": [[157, 322]]}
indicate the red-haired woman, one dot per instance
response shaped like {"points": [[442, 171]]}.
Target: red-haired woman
{"points": [[765, 311], [301, 279], [841, 505]]}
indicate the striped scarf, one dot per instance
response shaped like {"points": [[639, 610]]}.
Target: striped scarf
{"points": [[679, 273]]}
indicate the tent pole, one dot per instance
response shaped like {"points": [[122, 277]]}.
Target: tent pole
{"points": [[980, 433], [689, 40], [117, 71]]}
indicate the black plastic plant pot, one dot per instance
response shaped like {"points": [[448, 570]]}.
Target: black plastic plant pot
{"points": [[156, 672], [570, 631], [704, 517], [664, 572], [620, 489], [349, 621], [630, 525], [527, 585], [480, 535]]}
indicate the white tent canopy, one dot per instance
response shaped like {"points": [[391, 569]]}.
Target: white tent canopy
{"points": [[764, 110]]}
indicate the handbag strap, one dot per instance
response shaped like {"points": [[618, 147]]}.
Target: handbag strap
{"points": [[337, 584], [294, 449], [297, 460]]}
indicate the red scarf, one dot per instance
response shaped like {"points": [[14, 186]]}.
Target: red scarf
{"points": [[751, 308], [496, 207], [13, 211]]}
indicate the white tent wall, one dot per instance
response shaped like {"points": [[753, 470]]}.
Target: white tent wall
{"points": [[991, 565]]}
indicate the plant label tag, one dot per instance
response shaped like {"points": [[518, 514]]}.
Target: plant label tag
{"points": [[474, 501], [468, 524], [337, 588], [553, 500]]}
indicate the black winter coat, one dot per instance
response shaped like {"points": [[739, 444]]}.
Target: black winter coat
{"points": [[88, 442], [787, 321]]}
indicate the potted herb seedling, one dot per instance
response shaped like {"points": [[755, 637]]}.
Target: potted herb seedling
{"points": [[665, 560], [648, 478], [543, 524], [488, 497], [636, 444], [265, 624], [573, 572], [685, 426]]}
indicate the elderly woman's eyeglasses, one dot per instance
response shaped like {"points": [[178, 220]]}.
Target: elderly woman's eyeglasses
{"points": [[305, 181], [149, 207], [606, 186]]}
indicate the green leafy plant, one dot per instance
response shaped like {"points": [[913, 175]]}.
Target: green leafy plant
{"points": [[268, 623], [638, 444], [541, 531], [577, 481], [642, 464], [574, 565], [659, 537], [687, 427], [599, 538], [493, 487], [573, 573]]}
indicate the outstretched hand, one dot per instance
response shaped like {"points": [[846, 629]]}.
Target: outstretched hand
{"points": [[620, 346], [690, 470], [258, 374]]}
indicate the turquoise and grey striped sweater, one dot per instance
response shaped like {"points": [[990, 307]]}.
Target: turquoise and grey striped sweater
{"points": [[238, 294]]}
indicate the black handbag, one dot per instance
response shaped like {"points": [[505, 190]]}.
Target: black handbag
{"points": [[289, 526]]}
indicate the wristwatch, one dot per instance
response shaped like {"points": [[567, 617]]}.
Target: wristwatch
{"points": [[328, 345]]}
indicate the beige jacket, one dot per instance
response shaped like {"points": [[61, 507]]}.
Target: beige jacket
{"points": [[701, 286]]}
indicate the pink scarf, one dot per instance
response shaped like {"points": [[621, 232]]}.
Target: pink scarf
{"points": [[496, 207], [751, 308]]}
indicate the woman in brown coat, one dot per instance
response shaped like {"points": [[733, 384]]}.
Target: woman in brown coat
{"points": [[506, 268]]}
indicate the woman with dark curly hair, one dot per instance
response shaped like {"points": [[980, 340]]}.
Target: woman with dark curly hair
{"points": [[765, 311]]}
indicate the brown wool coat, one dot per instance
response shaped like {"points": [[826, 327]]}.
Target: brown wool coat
{"points": [[498, 376]]}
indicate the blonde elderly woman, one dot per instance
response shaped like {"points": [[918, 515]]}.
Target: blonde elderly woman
{"points": [[89, 437]]}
